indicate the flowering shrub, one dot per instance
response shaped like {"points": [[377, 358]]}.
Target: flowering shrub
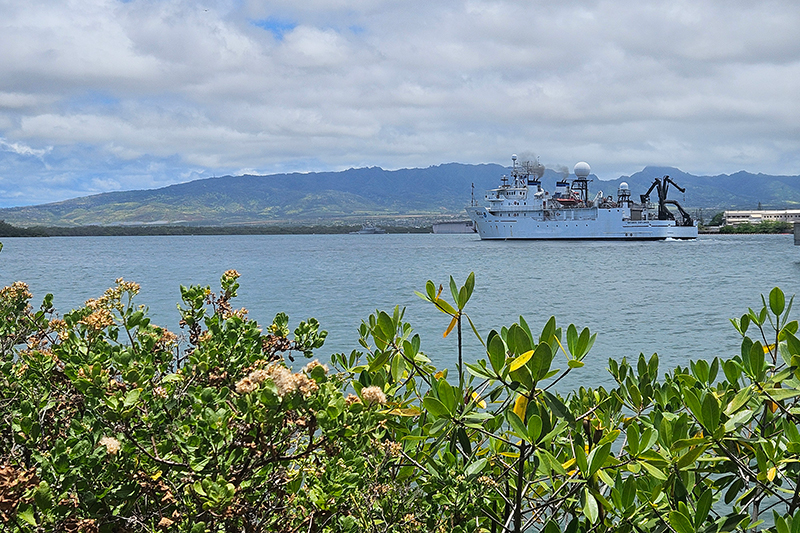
{"points": [[108, 425], [111, 423]]}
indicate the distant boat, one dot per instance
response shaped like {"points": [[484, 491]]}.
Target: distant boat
{"points": [[369, 230], [460, 226]]}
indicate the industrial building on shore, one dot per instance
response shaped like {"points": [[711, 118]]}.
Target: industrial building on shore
{"points": [[755, 216]]}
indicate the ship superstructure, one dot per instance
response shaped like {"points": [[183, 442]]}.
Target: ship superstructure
{"points": [[520, 208]]}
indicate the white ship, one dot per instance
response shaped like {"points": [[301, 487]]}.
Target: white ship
{"points": [[521, 209]]}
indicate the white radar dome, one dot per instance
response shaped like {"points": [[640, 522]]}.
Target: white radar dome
{"points": [[582, 169], [623, 185]]}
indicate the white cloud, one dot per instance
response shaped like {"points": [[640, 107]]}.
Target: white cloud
{"points": [[149, 92], [23, 150]]}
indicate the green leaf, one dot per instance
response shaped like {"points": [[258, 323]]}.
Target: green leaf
{"points": [[633, 439], [381, 359], [732, 370], [740, 400], [463, 440], [710, 412], [549, 331], [534, 427], [792, 342], [554, 464], [689, 458], [430, 289], [590, 509], [445, 307], [597, 457], [580, 458], [476, 467], [680, 522], [386, 326], [742, 417], [43, 496], [517, 425], [497, 353], [551, 527], [572, 339], [782, 394], [479, 371], [777, 301], [469, 284], [523, 376], [574, 363], [522, 342], [453, 290], [585, 343], [132, 397], [693, 403], [435, 407], [398, 367], [540, 362], [558, 407], [25, 512], [447, 395], [703, 508], [655, 472]]}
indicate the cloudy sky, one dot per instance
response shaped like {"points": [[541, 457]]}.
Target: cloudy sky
{"points": [[101, 95]]}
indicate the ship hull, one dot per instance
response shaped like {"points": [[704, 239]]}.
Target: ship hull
{"points": [[574, 224]]}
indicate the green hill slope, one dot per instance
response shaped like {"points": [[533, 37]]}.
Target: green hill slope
{"points": [[368, 192]]}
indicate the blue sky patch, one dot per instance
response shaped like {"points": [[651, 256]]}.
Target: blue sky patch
{"points": [[277, 27]]}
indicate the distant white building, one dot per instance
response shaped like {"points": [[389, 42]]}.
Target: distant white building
{"points": [[755, 216]]}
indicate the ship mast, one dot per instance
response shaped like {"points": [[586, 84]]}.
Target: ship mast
{"points": [[581, 181]]}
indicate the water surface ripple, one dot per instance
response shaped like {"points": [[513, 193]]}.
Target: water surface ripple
{"points": [[673, 297]]}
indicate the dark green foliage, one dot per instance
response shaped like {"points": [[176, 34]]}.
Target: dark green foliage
{"points": [[717, 219], [7, 230]]}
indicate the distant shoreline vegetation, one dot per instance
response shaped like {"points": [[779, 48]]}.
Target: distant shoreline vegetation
{"points": [[766, 226], [7, 230]]}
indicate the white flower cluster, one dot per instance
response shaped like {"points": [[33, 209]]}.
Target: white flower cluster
{"points": [[285, 381], [111, 444], [373, 395]]}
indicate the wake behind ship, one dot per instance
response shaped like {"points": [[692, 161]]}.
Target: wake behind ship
{"points": [[522, 209]]}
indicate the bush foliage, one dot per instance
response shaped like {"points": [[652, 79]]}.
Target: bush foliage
{"points": [[111, 423]]}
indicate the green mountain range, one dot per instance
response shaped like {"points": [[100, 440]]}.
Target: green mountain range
{"points": [[369, 193]]}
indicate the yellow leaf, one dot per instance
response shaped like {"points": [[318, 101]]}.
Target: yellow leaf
{"points": [[568, 464], [451, 326], [478, 400], [510, 454], [520, 361], [520, 406], [155, 476], [768, 348], [440, 291], [771, 473], [561, 346], [408, 411], [439, 375]]}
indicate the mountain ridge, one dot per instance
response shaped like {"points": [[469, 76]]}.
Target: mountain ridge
{"points": [[439, 190]]}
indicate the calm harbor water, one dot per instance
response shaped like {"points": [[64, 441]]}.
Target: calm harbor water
{"points": [[673, 297]]}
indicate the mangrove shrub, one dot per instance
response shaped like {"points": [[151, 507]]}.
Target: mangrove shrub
{"points": [[112, 423]]}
